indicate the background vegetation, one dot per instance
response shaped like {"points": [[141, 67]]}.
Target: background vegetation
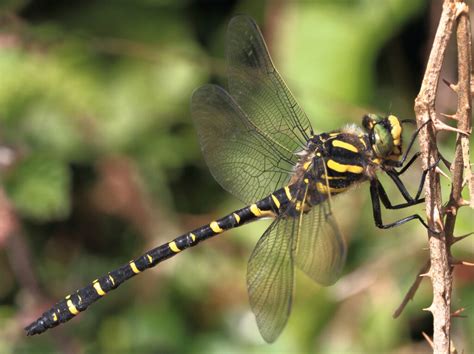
{"points": [[100, 161]]}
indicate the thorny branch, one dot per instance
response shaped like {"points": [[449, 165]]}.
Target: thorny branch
{"points": [[441, 262], [412, 291]]}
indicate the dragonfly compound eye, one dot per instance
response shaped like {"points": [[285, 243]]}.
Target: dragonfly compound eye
{"points": [[383, 140]]}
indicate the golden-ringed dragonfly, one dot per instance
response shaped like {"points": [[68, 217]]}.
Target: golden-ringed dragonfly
{"points": [[259, 146]]}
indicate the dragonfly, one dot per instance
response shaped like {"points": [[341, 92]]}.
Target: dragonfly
{"points": [[259, 146]]}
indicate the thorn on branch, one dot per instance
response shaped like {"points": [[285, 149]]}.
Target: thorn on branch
{"points": [[455, 262], [441, 172], [427, 309], [425, 275], [468, 264], [411, 292], [456, 239], [451, 86], [428, 339], [440, 126], [464, 263], [450, 116], [458, 312]]}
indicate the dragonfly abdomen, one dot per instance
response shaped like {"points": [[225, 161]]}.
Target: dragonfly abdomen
{"points": [[81, 299]]}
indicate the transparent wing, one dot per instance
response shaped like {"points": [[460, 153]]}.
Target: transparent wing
{"points": [[310, 240], [242, 159], [270, 278], [257, 87], [320, 247]]}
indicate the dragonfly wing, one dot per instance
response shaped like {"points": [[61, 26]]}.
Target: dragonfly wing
{"points": [[320, 248], [239, 155], [270, 279], [259, 89]]}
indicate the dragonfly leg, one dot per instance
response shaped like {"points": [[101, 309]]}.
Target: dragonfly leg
{"points": [[410, 145], [383, 196], [403, 191], [401, 187], [377, 193], [408, 164]]}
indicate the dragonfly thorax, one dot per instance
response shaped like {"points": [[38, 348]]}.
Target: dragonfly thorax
{"points": [[385, 135]]}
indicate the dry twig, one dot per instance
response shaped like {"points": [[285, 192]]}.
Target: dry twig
{"points": [[414, 287], [440, 271]]}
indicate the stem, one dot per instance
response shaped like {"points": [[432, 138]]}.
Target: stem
{"points": [[441, 268]]}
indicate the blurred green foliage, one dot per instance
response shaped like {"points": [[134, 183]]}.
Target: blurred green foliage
{"points": [[94, 102], [39, 188]]}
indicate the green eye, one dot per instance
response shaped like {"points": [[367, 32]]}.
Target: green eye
{"points": [[383, 140], [385, 134]]}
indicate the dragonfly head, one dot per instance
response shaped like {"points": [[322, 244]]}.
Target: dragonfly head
{"points": [[385, 135]]}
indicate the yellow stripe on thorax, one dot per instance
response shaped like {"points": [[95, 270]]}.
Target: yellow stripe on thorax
{"points": [[343, 145], [276, 201], [288, 192], [341, 168]]}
